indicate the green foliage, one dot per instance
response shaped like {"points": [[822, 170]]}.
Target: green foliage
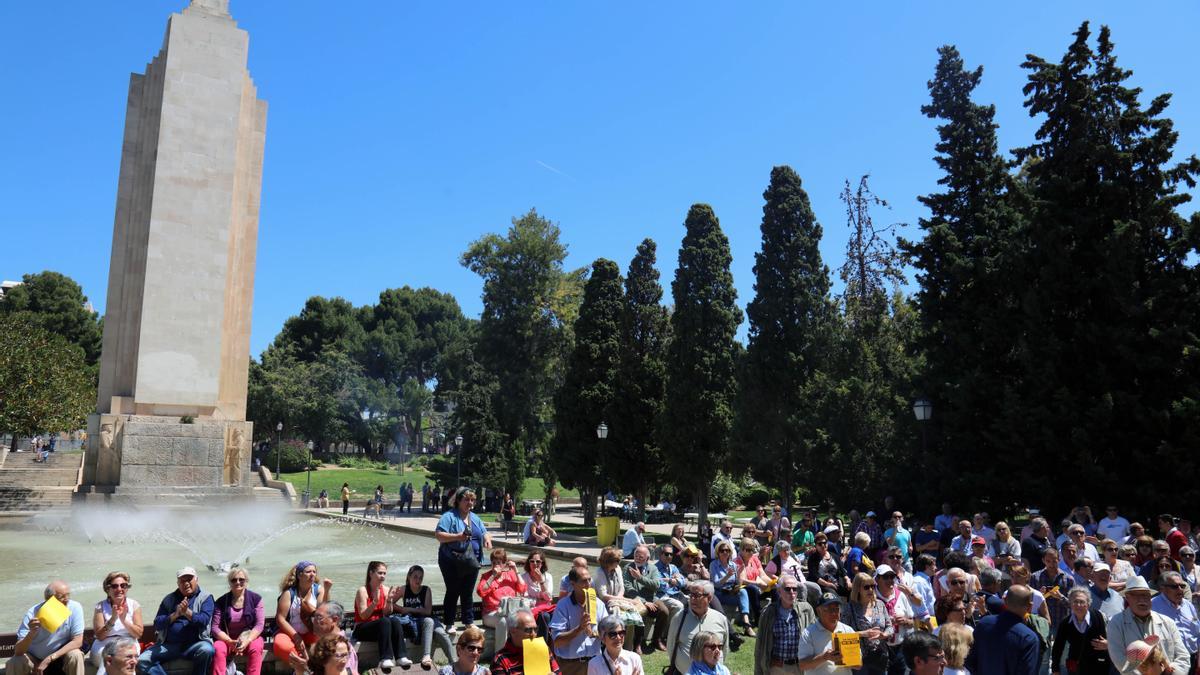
{"points": [[45, 384], [55, 303], [702, 354], [633, 461], [293, 456], [323, 324], [790, 339], [187, 419], [361, 462], [725, 493], [587, 394]]}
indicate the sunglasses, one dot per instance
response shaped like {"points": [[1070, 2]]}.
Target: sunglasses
{"points": [[958, 582], [1178, 587], [474, 649], [616, 633], [789, 589], [239, 581], [869, 587], [118, 585], [894, 557], [713, 647], [698, 596]]}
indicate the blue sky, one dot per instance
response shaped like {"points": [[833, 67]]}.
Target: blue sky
{"points": [[398, 132]]}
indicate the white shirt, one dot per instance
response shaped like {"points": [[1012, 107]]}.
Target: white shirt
{"points": [[814, 639], [1116, 529]]}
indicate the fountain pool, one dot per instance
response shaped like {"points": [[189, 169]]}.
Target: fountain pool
{"points": [[84, 546]]}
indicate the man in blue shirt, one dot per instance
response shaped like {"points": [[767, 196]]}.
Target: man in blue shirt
{"points": [[1004, 645], [182, 624], [1174, 603], [671, 582], [575, 640], [39, 649]]}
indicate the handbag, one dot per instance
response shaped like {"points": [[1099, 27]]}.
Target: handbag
{"points": [[464, 561]]}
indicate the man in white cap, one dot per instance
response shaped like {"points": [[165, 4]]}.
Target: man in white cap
{"points": [[1104, 599], [182, 624], [1139, 621]]}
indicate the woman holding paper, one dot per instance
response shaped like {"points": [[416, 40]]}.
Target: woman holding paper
{"points": [[116, 616], [868, 615], [613, 659]]}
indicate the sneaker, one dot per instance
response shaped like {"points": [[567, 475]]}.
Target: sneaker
{"points": [[405, 662], [387, 664], [452, 631]]}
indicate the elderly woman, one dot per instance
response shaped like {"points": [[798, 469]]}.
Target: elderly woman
{"points": [[950, 609], [613, 659], [500, 582], [692, 565], [299, 597], [468, 651], [726, 578], [1121, 570], [116, 616], [374, 618], [119, 655], [330, 656], [1084, 637], [785, 564], [752, 576], [1005, 549], [462, 537], [609, 584], [237, 625], [956, 642], [706, 655], [868, 615], [539, 583], [825, 568]]}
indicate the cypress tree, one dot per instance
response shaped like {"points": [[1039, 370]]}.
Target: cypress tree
{"points": [[701, 357], [586, 396], [789, 338], [633, 461]]}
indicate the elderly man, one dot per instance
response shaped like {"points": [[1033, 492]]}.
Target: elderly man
{"points": [[980, 527], [1173, 603], [699, 616], [962, 543], [1004, 645], [779, 628], [817, 652], [671, 581], [182, 624], [1033, 547], [39, 650], [1138, 621], [635, 536], [327, 620], [510, 660], [120, 656], [1104, 599], [643, 581], [1084, 549], [574, 635], [870, 527], [725, 533]]}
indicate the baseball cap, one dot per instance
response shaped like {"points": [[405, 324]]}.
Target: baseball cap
{"points": [[829, 599], [185, 571]]}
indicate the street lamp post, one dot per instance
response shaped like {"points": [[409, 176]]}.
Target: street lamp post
{"points": [[923, 411], [458, 471], [278, 450], [602, 431], [308, 483]]}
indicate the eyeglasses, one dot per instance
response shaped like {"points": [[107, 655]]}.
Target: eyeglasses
{"points": [[118, 585], [894, 557], [958, 582], [1187, 555], [869, 587], [698, 596], [474, 649], [1178, 587], [714, 647], [238, 581], [789, 589], [616, 633]]}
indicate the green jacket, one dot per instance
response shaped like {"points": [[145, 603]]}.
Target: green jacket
{"points": [[805, 616], [646, 587]]}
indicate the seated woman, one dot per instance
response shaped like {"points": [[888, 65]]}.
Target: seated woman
{"points": [[539, 584], [116, 616], [752, 576], [500, 582], [726, 572], [678, 543], [237, 625], [417, 603], [374, 620], [538, 532], [609, 583], [613, 658], [826, 568], [299, 597]]}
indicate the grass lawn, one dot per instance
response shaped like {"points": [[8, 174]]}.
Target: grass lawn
{"points": [[739, 662], [363, 481]]}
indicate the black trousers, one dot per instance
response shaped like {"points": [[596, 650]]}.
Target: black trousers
{"points": [[459, 590], [345, 506], [388, 632]]}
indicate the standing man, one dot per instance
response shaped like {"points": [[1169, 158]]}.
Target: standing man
{"points": [[776, 651], [1174, 538], [1034, 546], [1173, 603], [38, 649], [573, 633], [723, 534], [182, 623], [817, 653], [1113, 526], [1139, 620], [1104, 599], [1004, 645]]}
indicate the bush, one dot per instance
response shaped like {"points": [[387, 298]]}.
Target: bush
{"points": [[725, 493], [755, 495], [293, 457], [361, 462]]}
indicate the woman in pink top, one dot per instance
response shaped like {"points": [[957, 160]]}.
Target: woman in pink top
{"points": [[237, 625], [500, 582], [752, 575]]}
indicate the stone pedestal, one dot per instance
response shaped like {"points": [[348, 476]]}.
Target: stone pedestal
{"points": [[144, 458]]}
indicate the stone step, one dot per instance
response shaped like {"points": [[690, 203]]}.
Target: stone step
{"points": [[35, 499], [62, 476], [266, 494]]}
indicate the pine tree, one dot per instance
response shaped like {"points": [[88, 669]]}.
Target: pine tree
{"points": [[791, 317], [587, 395], [702, 355], [633, 461]]}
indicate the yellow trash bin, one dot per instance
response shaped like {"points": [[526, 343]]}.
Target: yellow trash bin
{"points": [[607, 528]]}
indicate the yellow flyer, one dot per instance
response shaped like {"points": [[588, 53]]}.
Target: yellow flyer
{"points": [[850, 648], [537, 656], [591, 606], [52, 614]]}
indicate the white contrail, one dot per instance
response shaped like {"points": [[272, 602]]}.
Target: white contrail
{"points": [[550, 168]]}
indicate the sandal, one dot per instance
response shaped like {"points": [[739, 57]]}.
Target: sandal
{"points": [[427, 662]]}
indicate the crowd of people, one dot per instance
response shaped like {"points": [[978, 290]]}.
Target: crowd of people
{"points": [[954, 595]]}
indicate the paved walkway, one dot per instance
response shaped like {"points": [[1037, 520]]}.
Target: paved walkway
{"points": [[568, 546]]}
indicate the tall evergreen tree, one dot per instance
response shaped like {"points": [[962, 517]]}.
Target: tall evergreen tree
{"points": [[968, 288], [791, 317], [633, 461], [55, 302], [588, 392], [1104, 268], [701, 359]]}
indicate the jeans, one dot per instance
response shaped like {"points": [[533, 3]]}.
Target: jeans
{"points": [[199, 653], [459, 589], [388, 632], [737, 597]]}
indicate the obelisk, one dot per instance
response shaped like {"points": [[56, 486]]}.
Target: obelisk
{"points": [[173, 370]]}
